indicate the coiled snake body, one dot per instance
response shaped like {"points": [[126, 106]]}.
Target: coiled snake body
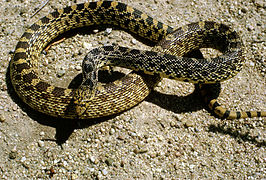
{"points": [[133, 88]]}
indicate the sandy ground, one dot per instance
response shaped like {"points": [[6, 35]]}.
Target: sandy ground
{"points": [[170, 135]]}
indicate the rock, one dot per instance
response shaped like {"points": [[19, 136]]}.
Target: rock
{"points": [[12, 155], [60, 73], [109, 161]]}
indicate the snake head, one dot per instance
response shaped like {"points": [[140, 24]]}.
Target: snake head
{"points": [[86, 91], [90, 76]]}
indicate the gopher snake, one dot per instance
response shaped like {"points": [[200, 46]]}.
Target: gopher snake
{"points": [[133, 88]]}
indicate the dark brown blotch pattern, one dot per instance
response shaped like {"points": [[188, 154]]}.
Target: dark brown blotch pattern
{"points": [[27, 78], [42, 86], [145, 27], [20, 67]]}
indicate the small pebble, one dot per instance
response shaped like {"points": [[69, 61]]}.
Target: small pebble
{"points": [[4, 88], [122, 163], [244, 9], [2, 118], [160, 138], [108, 31], [120, 137], [102, 130], [15, 107], [260, 3], [153, 7], [92, 159], [252, 64], [60, 73], [23, 159], [187, 123], [74, 176], [105, 172], [132, 134], [26, 165], [250, 27], [140, 151], [12, 155], [40, 143], [112, 131], [42, 133], [134, 41], [65, 163], [91, 169], [87, 45], [109, 161], [78, 67]]}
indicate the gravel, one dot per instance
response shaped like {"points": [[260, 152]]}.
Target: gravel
{"points": [[169, 135]]}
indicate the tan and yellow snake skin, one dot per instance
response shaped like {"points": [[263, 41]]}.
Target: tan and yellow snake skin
{"points": [[127, 92]]}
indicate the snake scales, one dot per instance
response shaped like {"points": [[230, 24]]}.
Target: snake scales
{"points": [[133, 88]]}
